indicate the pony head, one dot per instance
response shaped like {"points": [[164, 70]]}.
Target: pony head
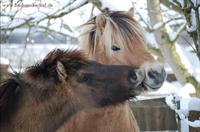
{"points": [[117, 38]]}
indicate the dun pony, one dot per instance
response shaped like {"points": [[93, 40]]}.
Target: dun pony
{"points": [[49, 93], [116, 38]]}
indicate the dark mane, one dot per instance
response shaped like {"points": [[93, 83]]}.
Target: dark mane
{"points": [[123, 24], [72, 60], [9, 94], [44, 72]]}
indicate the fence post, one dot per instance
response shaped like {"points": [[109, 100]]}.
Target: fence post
{"points": [[154, 115]]}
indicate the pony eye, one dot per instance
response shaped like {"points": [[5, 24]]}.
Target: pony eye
{"points": [[115, 48], [84, 78]]}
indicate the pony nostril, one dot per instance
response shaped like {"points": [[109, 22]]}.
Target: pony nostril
{"points": [[133, 76], [153, 74], [136, 76], [164, 73], [154, 77]]}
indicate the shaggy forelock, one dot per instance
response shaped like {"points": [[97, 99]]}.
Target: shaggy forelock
{"points": [[126, 30]]}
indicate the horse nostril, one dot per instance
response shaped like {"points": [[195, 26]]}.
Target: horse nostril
{"points": [[136, 76], [133, 76], [154, 77], [153, 74], [163, 73]]}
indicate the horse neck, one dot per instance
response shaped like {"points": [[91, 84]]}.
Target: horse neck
{"points": [[57, 112], [46, 116]]}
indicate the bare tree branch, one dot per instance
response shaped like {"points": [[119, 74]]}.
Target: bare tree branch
{"points": [[178, 32], [156, 27], [52, 30], [24, 49], [92, 11], [190, 11], [32, 22], [54, 15], [27, 22], [171, 5]]}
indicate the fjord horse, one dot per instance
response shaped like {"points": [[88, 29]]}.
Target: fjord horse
{"points": [[115, 38], [49, 93]]}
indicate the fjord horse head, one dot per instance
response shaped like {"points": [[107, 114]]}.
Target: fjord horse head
{"points": [[117, 38]]}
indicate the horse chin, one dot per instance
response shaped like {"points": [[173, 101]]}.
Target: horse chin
{"points": [[111, 102], [140, 89], [149, 88]]}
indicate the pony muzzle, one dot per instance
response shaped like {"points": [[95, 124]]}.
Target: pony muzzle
{"points": [[155, 76], [136, 77]]}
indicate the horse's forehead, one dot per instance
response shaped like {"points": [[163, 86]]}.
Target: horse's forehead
{"points": [[121, 31]]}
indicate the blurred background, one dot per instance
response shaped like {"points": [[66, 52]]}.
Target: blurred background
{"points": [[31, 28]]}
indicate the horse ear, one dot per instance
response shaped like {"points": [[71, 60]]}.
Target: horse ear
{"points": [[130, 12], [62, 74], [101, 22]]}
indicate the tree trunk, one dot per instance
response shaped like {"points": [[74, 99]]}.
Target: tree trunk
{"points": [[162, 38], [186, 10], [167, 47]]}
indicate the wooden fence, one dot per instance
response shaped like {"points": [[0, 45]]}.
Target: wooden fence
{"points": [[154, 115], [194, 115]]}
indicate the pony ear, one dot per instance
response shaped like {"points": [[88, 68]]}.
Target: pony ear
{"points": [[101, 22], [130, 12], [62, 74]]}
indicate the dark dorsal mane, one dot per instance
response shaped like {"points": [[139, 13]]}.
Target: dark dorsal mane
{"points": [[45, 70], [9, 94], [71, 59]]}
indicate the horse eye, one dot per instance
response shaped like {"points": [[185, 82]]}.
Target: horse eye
{"points": [[84, 78], [115, 48]]}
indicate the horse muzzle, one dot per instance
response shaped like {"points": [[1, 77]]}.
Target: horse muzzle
{"points": [[155, 76]]}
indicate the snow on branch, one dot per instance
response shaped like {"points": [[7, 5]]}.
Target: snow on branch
{"points": [[107, 5], [13, 17], [103, 5], [69, 10], [160, 25], [195, 3], [171, 5], [173, 38], [179, 3]]}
